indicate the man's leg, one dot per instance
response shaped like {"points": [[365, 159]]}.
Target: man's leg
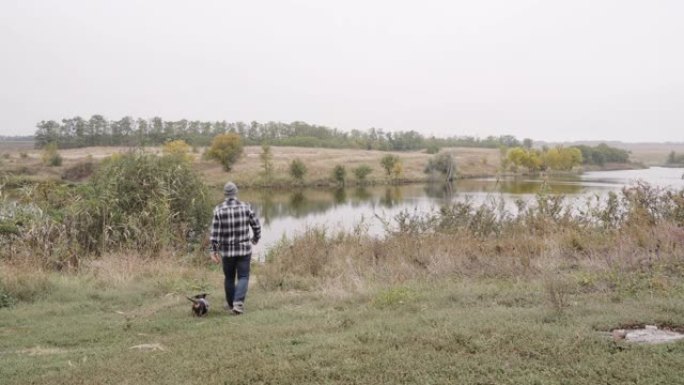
{"points": [[242, 268], [229, 280]]}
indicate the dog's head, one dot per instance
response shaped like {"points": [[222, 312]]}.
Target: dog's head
{"points": [[200, 305]]}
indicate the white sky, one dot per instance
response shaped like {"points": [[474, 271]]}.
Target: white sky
{"points": [[548, 70]]}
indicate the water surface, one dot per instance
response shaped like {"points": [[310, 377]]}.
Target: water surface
{"points": [[288, 212]]}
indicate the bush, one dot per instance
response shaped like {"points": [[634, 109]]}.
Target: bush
{"points": [[226, 149], [601, 154], [23, 155], [179, 149], [443, 164], [432, 149], [266, 158], [339, 174], [50, 155], [148, 201], [297, 169], [388, 162], [6, 300], [138, 202], [362, 172]]}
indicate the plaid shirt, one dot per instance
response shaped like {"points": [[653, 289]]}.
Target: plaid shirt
{"points": [[230, 228]]}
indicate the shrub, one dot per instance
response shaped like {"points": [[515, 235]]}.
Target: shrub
{"points": [[23, 155], [432, 149], [6, 300], [443, 164], [161, 194], [50, 155], [266, 158], [179, 149], [339, 174], [558, 290], [297, 169], [388, 161], [362, 172], [226, 149]]}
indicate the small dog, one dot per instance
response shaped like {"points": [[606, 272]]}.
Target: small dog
{"points": [[200, 305]]}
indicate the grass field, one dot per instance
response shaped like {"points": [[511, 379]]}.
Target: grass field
{"points": [[127, 323], [653, 154], [247, 171], [471, 162]]}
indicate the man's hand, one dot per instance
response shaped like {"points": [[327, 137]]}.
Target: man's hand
{"points": [[254, 241], [215, 258]]}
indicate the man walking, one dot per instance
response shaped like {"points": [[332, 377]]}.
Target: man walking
{"points": [[230, 239]]}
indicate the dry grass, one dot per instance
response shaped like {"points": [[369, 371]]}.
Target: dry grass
{"points": [[638, 233], [246, 172], [651, 154], [350, 262], [320, 163], [27, 282]]}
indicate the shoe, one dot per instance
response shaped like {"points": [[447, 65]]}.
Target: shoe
{"points": [[238, 307]]}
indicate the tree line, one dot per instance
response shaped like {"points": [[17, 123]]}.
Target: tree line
{"points": [[563, 158], [99, 131]]}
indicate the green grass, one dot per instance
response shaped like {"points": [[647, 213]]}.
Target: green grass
{"points": [[449, 331]]}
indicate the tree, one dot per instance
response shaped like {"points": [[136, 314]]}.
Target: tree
{"points": [[444, 164], [672, 158], [226, 149], [529, 159], [527, 143], [362, 172], [50, 155], [48, 132], [297, 169], [266, 157], [97, 131], [388, 161], [516, 156], [179, 149], [339, 174]]}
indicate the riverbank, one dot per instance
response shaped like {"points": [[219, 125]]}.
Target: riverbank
{"points": [[23, 166], [26, 167]]}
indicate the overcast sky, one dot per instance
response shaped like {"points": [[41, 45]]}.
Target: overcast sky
{"points": [[548, 70]]}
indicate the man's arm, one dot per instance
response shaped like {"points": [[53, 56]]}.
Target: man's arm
{"points": [[255, 225], [214, 236]]}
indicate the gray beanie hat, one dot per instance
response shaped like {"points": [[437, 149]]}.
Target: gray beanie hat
{"points": [[230, 189]]}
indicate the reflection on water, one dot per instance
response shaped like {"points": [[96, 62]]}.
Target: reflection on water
{"points": [[301, 203], [287, 212]]}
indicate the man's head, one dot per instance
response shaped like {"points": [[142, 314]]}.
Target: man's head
{"points": [[230, 190]]}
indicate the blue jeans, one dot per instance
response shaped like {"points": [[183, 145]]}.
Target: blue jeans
{"points": [[233, 266]]}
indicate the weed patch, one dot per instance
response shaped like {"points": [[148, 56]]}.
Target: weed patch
{"points": [[394, 297]]}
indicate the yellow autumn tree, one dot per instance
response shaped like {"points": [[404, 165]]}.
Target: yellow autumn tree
{"points": [[178, 148], [226, 149]]}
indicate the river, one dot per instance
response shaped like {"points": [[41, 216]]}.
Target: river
{"points": [[284, 213]]}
